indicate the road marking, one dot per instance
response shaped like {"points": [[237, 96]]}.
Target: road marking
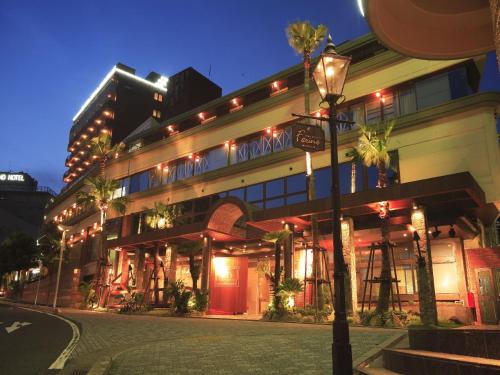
{"points": [[59, 363], [16, 325]]}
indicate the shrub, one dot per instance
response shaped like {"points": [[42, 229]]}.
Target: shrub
{"points": [[200, 302], [88, 294], [180, 295], [389, 319], [133, 303]]}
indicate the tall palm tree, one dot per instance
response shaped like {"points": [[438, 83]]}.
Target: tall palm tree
{"points": [[100, 194], [305, 39], [278, 238], [191, 249], [372, 150], [102, 150]]}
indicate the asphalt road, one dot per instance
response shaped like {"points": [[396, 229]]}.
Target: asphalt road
{"points": [[30, 348]]}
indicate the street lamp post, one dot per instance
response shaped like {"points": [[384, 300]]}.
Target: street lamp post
{"points": [[61, 252], [40, 265], [330, 75]]}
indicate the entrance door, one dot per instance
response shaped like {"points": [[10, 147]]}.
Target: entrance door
{"points": [[228, 285], [488, 297]]}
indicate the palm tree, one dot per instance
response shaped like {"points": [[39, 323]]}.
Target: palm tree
{"points": [[191, 249], [372, 150], [163, 216], [101, 149], [100, 195], [278, 238], [304, 39]]}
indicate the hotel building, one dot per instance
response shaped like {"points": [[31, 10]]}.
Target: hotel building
{"points": [[229, 163]]}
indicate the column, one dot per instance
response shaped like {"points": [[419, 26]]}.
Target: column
{"points": [[206, 262]]}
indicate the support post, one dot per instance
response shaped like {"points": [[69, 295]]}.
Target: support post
{"points": [[206, 260]]}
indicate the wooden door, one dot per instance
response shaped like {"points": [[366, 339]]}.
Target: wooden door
{"points": [[487, 295], [228, 285]]}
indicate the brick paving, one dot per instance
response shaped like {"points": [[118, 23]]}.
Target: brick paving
{"points": [[156, 345]]}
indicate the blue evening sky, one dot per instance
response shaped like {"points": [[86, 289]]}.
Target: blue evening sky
{"points": [[54, 53]]}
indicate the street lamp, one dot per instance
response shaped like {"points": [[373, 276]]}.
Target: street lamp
{"points": [[330, 75], [63, 229]]}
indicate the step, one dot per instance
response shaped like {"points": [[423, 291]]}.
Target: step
{"points": [[471, 342], [417, 362], [376, 371]]}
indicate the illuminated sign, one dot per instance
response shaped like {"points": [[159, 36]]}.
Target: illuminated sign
{"points": [[12, 177]]}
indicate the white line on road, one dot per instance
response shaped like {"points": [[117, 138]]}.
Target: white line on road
{"points": [[59, 363], [16, 325]]}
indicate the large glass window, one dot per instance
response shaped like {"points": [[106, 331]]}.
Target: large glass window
{"points": [[238, 193], [255, 193], [217, 158], [275, 188], [296, 183], [169, 173], [458, 83], [155, 177], [323, 182]]}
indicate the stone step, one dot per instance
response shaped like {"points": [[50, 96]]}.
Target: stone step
{"points": [[417, 362]]}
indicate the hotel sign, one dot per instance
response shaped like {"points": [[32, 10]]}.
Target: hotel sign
{"points": [[11, 177], [308, 137]]}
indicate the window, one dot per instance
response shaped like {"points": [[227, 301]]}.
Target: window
{"points": [[169, 173], [444, 267], [407, 101], [323, 182], [184, 169], [275, 188], [217, 158], [158, 97], [155, 177], [458, 83], [139, 182], [255, 193], [282, 139], [432, 91], [156, 113]]}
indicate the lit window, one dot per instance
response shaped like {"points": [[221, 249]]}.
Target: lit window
{"points": [[156, 113], [158, 97]]}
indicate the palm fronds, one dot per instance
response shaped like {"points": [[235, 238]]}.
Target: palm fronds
{"points": [[305, 38]]}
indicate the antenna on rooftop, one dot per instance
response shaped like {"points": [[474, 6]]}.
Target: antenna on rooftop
{"points": [[209, 70]]}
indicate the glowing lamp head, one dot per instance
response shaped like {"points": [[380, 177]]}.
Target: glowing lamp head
{"points": [[170, 128], [275, 85], [201, 116], [268, 130], [235, 102], [378, 94], [331, 71]]}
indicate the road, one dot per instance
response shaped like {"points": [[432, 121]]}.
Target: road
{"points": [[30, 341]]}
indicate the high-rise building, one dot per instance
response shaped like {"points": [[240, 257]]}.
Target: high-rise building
{"points": [[122, 101]]}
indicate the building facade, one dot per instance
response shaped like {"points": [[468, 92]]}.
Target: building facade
{"points": [[22, 204], [230, 165]]}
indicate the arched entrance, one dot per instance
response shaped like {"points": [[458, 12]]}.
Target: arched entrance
{"points": [[228, 275]]}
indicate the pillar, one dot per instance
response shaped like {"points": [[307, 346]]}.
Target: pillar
{"points": [[139, 272], [206, 262]]}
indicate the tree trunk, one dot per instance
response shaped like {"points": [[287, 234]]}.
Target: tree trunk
{"points": [[288, 246], [277, 274], [156, 270], [385, 272], [194, 273], [102, 166]]}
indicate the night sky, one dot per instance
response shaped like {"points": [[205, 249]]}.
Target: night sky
{"points": [[54, 54]]}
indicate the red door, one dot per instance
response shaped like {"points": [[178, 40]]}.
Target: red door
{"points": [[228, 285]]}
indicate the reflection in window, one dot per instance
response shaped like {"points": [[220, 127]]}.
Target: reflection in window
{"points": [[323, 182], [216, 158], [296, 183]]}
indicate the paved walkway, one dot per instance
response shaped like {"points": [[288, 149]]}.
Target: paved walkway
{"points": [[156, 345]]}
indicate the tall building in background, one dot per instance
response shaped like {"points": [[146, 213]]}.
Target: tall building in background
{"points": [[122, 101], [22, 203]]}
